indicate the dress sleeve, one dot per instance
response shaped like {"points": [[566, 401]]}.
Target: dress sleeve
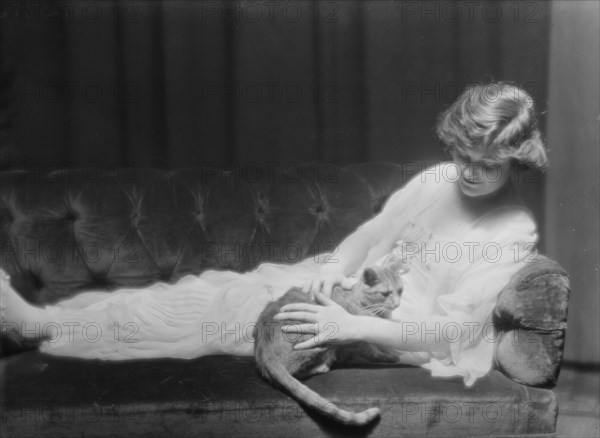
{"points": [[475, 284]]}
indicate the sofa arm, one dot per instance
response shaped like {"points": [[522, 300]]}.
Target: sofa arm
{"points": [[531, 317]]}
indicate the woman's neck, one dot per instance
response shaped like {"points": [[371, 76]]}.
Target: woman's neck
{"points": [[479, 205], [455, 214]]}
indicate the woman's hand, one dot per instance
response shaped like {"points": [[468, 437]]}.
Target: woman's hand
{"points": [[329, 323], [325, 283]]}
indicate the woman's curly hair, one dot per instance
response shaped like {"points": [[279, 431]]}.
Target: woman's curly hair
{"points": [[498, 118]]}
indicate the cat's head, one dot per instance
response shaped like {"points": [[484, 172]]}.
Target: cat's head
{"points": [[380, 288]]}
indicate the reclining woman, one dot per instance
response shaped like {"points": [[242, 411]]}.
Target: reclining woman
{"points": [[460, 226]]}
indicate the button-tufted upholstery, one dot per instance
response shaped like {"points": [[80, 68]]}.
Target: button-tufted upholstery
{"points": [[81, 228]]}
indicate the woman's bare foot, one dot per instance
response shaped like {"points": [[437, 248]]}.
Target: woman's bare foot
{"points": [[17, 316]]}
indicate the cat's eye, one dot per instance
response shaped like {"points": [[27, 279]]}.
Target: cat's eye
{"points": [[386, 294]]}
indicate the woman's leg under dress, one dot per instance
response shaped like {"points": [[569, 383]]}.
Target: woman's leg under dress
{"points": [[213, 313]]}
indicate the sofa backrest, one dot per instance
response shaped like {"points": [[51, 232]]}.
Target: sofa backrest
{"points": [[80, 229]]}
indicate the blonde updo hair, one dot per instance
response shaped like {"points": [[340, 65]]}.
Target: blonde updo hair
{"points": [[498, 118]]}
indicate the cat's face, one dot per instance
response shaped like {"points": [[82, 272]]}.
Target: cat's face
{"points": [[380, 289]]}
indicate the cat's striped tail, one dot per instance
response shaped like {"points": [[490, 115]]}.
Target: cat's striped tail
{"points": [[309, 398]]}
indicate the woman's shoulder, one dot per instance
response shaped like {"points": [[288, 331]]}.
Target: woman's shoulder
{"points": [[423, 182], [433, 177], [439, 173]]}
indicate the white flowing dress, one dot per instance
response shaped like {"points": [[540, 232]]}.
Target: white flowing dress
{"points": [[456, 279]]}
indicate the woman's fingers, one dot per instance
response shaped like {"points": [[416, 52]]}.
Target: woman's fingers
{"points": [[303, 307], [310, 343], [326, 283], [317, 285], [308, 285], [303, 329], [327, 287], [330, 283], [324, 300], [348, 283], [302, 316]]}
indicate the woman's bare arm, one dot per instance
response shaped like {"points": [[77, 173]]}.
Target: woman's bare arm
{"points": [[352, 252], [418, 334], [330, 323]]}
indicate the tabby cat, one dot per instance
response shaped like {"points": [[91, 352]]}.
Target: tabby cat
{"points": [[376, 293]]}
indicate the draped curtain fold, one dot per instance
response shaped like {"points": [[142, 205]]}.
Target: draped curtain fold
{"points": [[572, 207]]}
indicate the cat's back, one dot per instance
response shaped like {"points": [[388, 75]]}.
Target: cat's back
{"points": [[294, 295], [265, 319]]}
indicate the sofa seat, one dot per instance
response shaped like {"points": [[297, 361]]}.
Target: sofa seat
{"points": [[224, 396]]}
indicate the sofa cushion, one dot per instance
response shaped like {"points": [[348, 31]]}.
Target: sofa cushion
{"points": [[224, 396], [531, 314]]}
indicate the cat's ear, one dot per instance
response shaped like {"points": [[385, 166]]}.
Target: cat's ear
{"points": [[370, 277]]}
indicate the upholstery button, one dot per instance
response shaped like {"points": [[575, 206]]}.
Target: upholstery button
{"points": [[71, 216], [320, 212], [37, 281], [101, 280], [260, 214], [11, 217], [261, 207], [378, 205]]}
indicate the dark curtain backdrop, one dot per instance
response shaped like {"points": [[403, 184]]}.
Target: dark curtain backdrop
{"points": [[183, 83], [177, 83], [572, 195]]}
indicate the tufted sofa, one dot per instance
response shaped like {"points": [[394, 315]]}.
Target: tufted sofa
{"points": [[75, 229]]}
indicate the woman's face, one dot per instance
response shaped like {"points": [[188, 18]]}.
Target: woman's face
{"points": [[480, 176]]}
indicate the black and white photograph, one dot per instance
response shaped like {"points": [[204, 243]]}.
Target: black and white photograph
{"points": [[294, 218]]}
